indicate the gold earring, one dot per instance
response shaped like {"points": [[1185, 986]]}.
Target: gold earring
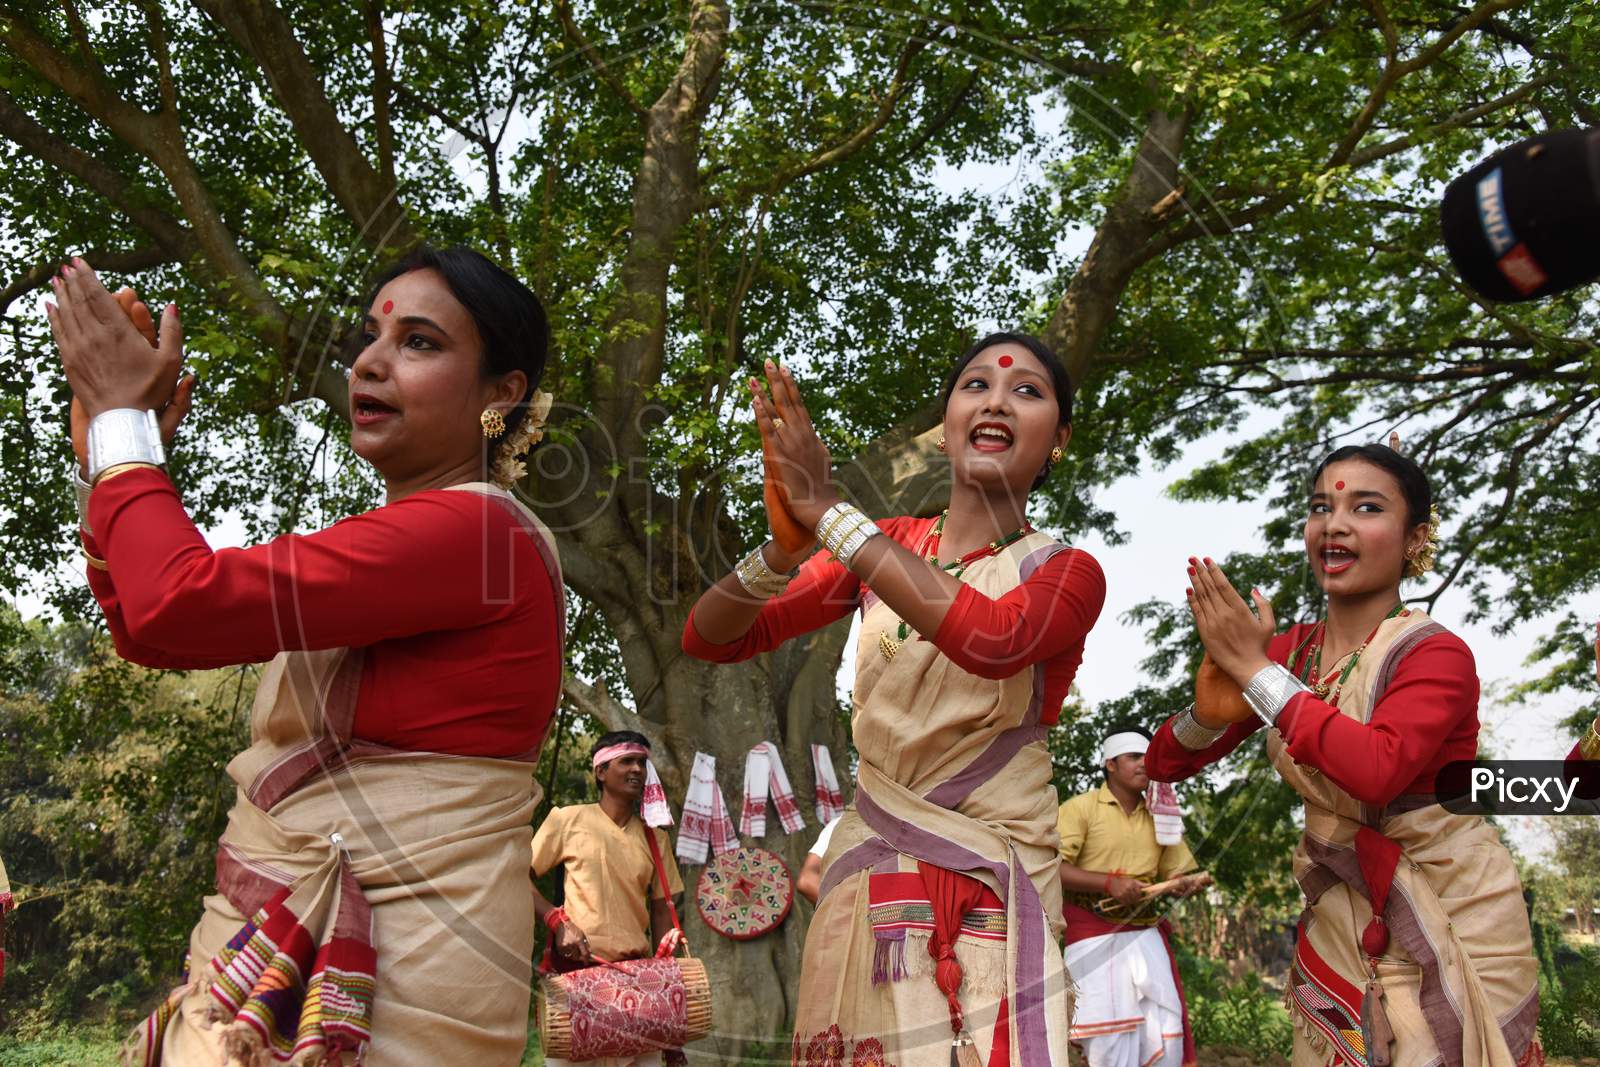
{"points": [[493, 423], [941, 444], [1055, 455]]}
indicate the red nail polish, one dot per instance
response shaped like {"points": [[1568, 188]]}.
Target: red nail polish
{"points": [[1191, 572], [1208, 561], [1189, 592]]}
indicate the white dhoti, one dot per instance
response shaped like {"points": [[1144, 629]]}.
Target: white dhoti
{"points": [[1128, 1011]]}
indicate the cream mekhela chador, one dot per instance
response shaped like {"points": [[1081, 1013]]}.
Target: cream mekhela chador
{"points": [[934, 940]]}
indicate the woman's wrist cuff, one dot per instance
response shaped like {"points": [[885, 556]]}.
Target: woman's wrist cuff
{"points": [[843, 530], [80, 492], [123, 435], [1270, 690], [1191, 733], [757, 578]]}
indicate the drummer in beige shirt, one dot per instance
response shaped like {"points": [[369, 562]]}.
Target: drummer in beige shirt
{"points": [[615, 906]]}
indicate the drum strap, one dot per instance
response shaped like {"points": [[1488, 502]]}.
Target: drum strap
{"points": [[661, 873]]}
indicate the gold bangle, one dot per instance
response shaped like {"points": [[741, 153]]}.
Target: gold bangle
{"points": [[1589, 744], [120, 468], [97, 564]]}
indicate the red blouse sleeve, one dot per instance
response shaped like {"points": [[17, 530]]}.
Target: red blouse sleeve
{"points": [[437, 560], [105, 593], [1044, 616], [1168, 761], [1435, 688], [822, 592]]}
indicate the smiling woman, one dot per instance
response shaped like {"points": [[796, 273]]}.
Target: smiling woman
{"points": [[1364, 709], [372, 894], [972, 628]]}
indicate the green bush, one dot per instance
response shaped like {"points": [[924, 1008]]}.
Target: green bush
{"points": [[1569, 993], [1244, 1013]]}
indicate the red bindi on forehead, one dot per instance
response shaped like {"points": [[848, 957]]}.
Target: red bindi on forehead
{"points": [[1006, 361], [388, 306], [1338, 485]]}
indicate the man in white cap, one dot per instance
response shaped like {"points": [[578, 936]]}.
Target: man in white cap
{"points": [[1130, 1010]]}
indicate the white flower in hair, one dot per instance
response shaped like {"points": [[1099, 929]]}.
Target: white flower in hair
{"points": [[508, 467]]}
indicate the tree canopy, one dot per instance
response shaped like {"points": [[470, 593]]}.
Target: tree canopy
{"points": [[694, 186]]}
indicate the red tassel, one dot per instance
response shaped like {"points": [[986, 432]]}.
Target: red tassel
{"points": [[947, 976], [1375, 938]]}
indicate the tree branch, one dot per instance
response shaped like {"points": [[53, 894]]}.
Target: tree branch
{"points": [[36, 278], [1214, 220], [263, 31], [1394, 70], [147, 135], [665, 194], [852, 144], [382, 87], [163, 51], [603, 708], [937, 124], [17, 126], [570, 27], [1513, 470], [1085, 310], [1500, 103]]}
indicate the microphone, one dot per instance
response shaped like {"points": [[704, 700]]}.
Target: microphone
{"points": [[1525, 223]]}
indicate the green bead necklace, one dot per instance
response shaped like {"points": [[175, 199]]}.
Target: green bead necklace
{"points": [[929, 549], [1310, 670]]}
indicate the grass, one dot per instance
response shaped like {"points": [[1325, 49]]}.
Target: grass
{"points": [[92, 1047], [84, 1047]]}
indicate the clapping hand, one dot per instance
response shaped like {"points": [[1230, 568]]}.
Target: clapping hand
{"points": [[107, 361], [1235, 637], [1218, 699], [170, 415], [793, 538], [795, 454]]}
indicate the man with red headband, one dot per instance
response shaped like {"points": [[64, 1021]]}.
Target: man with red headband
{"points": [[615, 907]]}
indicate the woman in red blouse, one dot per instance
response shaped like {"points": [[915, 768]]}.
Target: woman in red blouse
{"points": [[972, 626], [372, 882], [1414, 947]]}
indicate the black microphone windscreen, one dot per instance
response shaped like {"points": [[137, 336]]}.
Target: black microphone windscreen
{"points": [[1525, 223]]}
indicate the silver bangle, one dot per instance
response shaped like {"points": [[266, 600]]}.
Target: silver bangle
{"points": [[1271, 690], [124, 435], [843, 529], [1191, 734], [81, 490], [758, 579], [858, 536]]}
